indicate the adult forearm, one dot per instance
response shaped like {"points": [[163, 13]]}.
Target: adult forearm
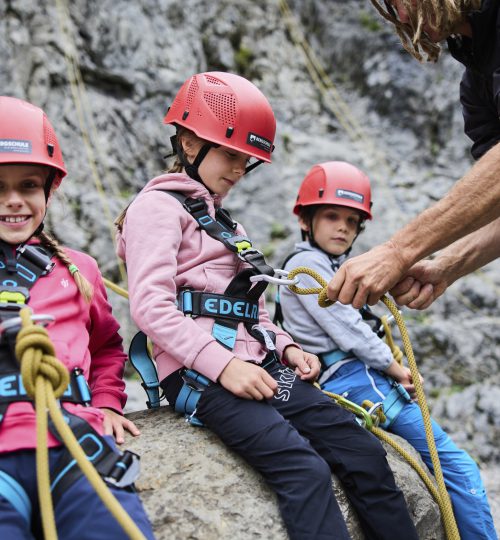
{"points": [[473, 202], [471, 252]]}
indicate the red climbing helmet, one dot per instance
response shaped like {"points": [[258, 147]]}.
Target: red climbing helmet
{"points": [[27, 136], [226, 109], [335, 182]]}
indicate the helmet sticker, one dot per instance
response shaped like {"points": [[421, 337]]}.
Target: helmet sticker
{"points": [[259, 142], [15, 146], [345, 194]]}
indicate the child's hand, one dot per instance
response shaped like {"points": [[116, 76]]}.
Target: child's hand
{"points": [[247, 380], [402, 375], [306, 365], [115, 424]]}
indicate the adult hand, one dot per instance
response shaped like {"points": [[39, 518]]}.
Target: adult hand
{"points": [[115, 424], [247, 380], [423, 283], [364, 279], [307, 365]]}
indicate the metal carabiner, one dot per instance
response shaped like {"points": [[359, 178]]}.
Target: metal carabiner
{"points": [[42, 319], [276, 280]]}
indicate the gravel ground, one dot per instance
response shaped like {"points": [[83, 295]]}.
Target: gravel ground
{"points": [[490, 474]]}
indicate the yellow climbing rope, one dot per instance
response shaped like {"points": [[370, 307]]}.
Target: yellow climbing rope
{"points": [[115, 288], [45, 379], [443, 498]]}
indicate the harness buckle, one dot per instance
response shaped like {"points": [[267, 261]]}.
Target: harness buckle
{"points": [[125, 471], [12, 297], [243, 253]]}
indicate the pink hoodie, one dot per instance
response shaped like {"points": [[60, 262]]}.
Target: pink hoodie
{"points": [[165, 250], [85, 336]]}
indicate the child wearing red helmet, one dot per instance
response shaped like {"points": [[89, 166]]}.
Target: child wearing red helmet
{"points": [[65, 284], [333, 202], [196, 287]]}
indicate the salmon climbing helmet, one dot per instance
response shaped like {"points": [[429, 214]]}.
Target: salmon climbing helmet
{"points": [[335, 182], [27, 137], [227, 110]]}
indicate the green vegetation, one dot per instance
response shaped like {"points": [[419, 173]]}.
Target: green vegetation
{"points": [[369, 22], [243, 59], [278, 232]]}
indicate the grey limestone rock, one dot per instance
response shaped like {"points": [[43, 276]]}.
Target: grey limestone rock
{"points": [[193, 487]]}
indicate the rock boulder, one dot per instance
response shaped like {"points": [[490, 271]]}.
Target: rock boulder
{"points": [[193, 487]]}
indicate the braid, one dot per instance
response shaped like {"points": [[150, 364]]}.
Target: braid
{"points": [[445, 14], [85, 288]]}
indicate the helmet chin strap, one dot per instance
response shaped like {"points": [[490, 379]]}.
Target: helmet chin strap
{"points": [[192, 168]]}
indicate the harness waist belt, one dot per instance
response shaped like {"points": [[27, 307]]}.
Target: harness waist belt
{"points": [[219, 306], [330, 358], [12, 388]]}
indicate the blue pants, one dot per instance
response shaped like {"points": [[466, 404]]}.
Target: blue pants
{"points": [[461, 474], [295, 440], [79, 513]]}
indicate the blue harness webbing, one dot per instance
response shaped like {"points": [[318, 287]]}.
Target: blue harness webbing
{"points": [[141, 360], [12, 390], [394, 402], [119, 469], [12, 491]]}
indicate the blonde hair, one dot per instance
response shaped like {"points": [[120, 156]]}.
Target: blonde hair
{"points": [[85, 288], [444, 14], [176, 167]]}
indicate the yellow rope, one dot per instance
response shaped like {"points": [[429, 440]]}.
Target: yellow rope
{"points": [[45, 379], [444, 499], [115, 288], [84, 116], [397, 353]]}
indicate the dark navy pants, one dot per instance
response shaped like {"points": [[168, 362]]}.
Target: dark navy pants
{"points": [[80, 513], [296, 440]]}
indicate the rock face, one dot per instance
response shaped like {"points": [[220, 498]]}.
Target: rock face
{"points": [[193, 487]]}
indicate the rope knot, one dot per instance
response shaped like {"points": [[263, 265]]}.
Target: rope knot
{"points": [[36, 354], [323, 299]]}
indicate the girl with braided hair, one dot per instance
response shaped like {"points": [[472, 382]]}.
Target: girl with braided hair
{"points": [[67, 285]]}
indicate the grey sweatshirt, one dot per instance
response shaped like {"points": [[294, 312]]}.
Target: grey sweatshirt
{"points": [[321, 330]]}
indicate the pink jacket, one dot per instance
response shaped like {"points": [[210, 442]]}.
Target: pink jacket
{"points": [[165, 250], [85, 336]]}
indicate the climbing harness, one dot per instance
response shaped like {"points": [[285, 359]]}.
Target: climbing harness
{"points": [[441, 495], [238, 304], [19, 271]]}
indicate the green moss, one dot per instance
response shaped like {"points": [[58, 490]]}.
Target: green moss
{"points": [[278, 232], [369, 22], [287, 140], [243, 59], [268, 251]]}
